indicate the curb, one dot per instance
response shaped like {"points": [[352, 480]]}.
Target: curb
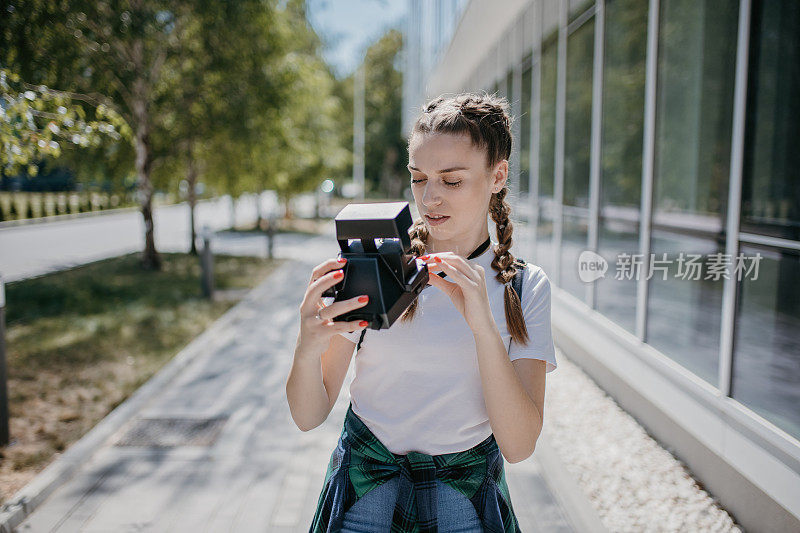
{"points": [[27, 499], [569, 494]]}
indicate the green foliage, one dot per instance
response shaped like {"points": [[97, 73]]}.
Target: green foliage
{"points": [[33, 118], [236, 92], [385, 149], [385, 156], [295, 141]]}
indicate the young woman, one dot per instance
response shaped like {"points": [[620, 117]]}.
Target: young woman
{"points": [[458, 383]]}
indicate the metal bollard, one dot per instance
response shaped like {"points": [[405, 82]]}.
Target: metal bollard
{"points": [[4, 422], [207, 264]]}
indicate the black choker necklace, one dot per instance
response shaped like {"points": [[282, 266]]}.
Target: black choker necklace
{"points": [[478, 251]]}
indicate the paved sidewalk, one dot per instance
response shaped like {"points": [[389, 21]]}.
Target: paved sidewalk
{"points": [[248, 467]]}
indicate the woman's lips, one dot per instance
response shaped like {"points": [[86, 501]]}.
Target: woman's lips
{"points": [[436, 221]]}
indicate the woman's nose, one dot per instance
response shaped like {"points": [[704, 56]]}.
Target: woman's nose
{"points": [[431, 195]]}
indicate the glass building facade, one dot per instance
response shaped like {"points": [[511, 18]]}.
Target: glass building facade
{"points": [[658, 134]]}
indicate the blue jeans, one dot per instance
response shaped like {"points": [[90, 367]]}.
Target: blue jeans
{"points": [[373, 512]]}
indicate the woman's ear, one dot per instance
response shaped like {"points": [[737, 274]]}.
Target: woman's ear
{"points": [[499, 176]]}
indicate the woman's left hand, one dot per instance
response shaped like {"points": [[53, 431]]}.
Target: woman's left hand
{"points": [[467, 290]]}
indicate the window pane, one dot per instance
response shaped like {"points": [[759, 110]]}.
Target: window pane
{"points": [[770, 190], [502, 88], [694, 109], [766, 363], [697, 55], [545, 252], [523, 234], [576, 7], [547, 117], [621, 155], [683, 318], [574, 240], [623, 102], [616, 298], [525, 132], [511, 96], [577, 142]]}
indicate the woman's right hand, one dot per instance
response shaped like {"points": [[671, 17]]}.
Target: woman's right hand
{"points": [[318, 331]]}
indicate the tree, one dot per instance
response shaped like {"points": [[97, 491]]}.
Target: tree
{"points": [[294, 140], [245, 86], [115, 49], [34, 118], [223, 77], [385, 152], [233, 92]]}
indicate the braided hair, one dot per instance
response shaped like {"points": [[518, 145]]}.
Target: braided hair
{"points": [[486, 120]]}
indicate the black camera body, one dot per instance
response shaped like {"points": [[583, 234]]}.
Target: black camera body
{"points": [[385, 271]]}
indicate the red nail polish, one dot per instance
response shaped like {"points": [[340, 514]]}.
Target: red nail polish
{"points": [[363, 323], [363, 299], [437, 259], [342, 260], [338, 275], [425, 257]]}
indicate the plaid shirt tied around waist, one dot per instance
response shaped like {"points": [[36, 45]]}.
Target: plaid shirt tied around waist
{"points": [[361, 462]]}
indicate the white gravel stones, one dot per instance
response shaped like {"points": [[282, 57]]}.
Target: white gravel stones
{"points": [[634, 484]]}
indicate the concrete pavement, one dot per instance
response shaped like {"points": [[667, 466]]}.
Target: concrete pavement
{"points": [[208, 443]]}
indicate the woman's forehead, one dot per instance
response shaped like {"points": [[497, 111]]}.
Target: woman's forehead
{"points": [[443, 149]]}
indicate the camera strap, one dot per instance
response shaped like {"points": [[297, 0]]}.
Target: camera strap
{"points": [[516, 282]]}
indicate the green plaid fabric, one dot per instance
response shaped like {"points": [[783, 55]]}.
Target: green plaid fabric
{"points": [[361, 462]]}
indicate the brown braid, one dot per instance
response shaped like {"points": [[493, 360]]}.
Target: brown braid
{"points": [[419, 238], [506, 265], [486, 120]]}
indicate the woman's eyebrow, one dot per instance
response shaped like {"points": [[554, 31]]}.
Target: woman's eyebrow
{"points": [[452, 169]]}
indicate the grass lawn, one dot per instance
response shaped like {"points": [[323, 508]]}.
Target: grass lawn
{"points": [[79, 342]]}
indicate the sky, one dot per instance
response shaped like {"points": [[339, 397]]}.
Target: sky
{"points": [[348, 27]]}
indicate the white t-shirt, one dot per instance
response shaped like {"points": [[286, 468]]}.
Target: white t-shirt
{"points": [[417, 386]]}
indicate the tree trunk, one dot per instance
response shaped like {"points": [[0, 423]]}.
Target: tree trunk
{"points": [[259, 218], [287, 210], [150, 257], [191, 179]]}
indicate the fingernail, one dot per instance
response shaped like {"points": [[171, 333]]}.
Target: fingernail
{"points": [[363, 299], [437, 259], [363, 323], [342, 260], [338, 275], [424, 257]]}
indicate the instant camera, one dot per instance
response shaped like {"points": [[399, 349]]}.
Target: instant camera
{"points": [[374, 239]]}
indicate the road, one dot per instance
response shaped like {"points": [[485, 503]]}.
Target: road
{"points": [[32, 250]]}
